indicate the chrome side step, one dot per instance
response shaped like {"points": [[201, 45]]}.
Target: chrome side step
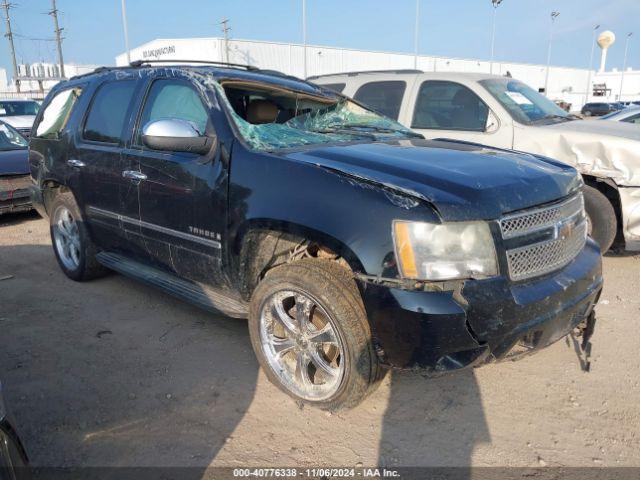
{"points": [[204, 297]]}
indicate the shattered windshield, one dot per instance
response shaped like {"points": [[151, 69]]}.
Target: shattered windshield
{"points": [[523, 103], [272, 118]]}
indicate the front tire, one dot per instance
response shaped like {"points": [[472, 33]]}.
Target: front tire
{"points": [[310, 333], [74, 249], [603, 223]]}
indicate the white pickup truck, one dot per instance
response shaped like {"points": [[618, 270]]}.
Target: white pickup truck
{"points": [[506, 113]]}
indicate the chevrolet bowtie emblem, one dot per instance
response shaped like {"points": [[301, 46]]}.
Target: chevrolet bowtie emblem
{"points": [[565, 228]]}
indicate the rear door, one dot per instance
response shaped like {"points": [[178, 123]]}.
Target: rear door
{"points": [[448, 109], [182, 195], [110, 201]]}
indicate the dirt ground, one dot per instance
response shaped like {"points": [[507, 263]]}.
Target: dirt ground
{"points": [[114, 373]]}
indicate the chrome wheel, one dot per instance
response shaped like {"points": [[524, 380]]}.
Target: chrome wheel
{"points": [[66, 238], [301, 345]]}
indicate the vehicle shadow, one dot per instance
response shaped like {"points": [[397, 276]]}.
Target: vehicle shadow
{"points": [[434, 423], [110, 374], [9, 219]]}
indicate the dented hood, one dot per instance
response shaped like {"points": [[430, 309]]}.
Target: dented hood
{"points": [[462, 181], [599, 148]]}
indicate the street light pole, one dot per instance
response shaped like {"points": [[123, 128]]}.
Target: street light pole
{"points": [[593, 47], [554, 15], [624, 64], [495, 4], [415, 36], [304, 34], [126, 31]]}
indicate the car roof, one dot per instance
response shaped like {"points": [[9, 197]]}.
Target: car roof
{"points": [[217, 72], [392, 74]]}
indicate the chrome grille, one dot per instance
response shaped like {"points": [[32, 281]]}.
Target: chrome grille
{"points": [[564, 229], [526, 222]]}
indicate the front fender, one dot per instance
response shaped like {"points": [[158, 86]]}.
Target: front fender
{"points": [[350, 213]]}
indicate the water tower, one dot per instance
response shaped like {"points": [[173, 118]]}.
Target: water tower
{"points": [[605, 40]]}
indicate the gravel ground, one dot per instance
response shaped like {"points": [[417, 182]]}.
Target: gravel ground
{"points": [[114, 373]]}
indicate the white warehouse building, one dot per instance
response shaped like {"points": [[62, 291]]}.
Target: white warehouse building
{"points": [[567, 84]]}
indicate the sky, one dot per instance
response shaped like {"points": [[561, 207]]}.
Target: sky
{"points": [[458, 28]]}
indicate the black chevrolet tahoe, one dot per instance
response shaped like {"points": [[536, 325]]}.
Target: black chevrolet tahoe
{"points": [[350, 243]]}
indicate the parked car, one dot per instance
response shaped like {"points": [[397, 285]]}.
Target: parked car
{"points": [[506, 113], [628, 115], [14, 171], [595, 109], [20, 114], [616, 106], [14, 463], [349, 242]]}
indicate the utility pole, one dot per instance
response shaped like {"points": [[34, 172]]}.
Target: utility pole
{"points": [[57, 30], [126, 30], [593, 47], [6, 6], [624, 64], [416, 36], [304, 35], [495, 4], [225, 31], [554, 15]]}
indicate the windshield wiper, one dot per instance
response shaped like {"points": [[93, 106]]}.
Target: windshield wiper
{"points": [[553, 116], [346, 131], [377, 128]]}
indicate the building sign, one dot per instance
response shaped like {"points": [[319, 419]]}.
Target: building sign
{"points": [[157, 52]]}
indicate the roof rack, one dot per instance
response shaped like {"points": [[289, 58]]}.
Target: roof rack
{"points": [[140, 63], [353, 74]]}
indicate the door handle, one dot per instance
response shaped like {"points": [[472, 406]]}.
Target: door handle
{"points": [[134, 175], [72, 162]]}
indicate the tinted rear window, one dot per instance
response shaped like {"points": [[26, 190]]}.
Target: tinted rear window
{"points": [[384, 97], [108, 111]]}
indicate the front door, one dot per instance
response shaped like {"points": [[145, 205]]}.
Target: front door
{"points": [[182, 195], [110, 201], [445, 109]]}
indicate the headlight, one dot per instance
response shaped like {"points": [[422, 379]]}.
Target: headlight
{"points": [[428, 251]]}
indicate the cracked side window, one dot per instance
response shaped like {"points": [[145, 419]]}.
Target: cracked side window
{"points": [[56, 113]]}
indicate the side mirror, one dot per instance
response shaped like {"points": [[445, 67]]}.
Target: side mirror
{"points": [[175, 135], [492, 123]]}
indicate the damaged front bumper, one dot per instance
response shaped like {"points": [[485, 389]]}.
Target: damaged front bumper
{"points": [[14, 194], [484, 320], [630, 202]]}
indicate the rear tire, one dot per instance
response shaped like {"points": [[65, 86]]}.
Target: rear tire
{"points": [[73, 247], [603, 223], [348, 369]]}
